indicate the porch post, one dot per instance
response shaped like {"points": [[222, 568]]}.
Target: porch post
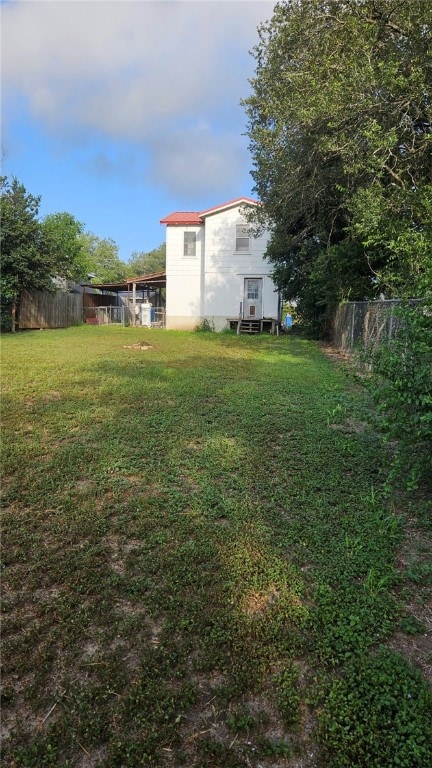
{"points": [[134, 302]]}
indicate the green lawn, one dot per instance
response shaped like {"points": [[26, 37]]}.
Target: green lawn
{"points": [[198, 566]]}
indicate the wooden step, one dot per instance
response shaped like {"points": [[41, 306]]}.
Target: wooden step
{"points": [[249, 326]]}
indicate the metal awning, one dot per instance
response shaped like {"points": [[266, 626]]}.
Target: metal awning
{"points": [[153, 280]]}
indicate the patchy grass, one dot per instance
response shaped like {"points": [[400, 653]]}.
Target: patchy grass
{"points": [[198, 568]]}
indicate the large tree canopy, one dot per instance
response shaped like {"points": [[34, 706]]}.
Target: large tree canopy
{"points": [[61, 241], [33, 252], [340, 135], [23, 261], [103, 259], [144, 263]]}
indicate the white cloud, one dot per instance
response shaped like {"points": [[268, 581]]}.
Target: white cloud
{"points": [[130, 71], [196, 162], [121, 66]]}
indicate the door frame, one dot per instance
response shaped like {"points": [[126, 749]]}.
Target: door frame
{"points": [[256, 304]]}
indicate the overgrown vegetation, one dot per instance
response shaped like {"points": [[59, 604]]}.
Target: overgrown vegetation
{"points": [[340, 134], [402, 388], [198, 568], [205, 326]]}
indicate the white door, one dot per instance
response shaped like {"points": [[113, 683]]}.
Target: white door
{"points": [[252, 305]]}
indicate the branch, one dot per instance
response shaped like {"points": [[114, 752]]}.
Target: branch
{"points": [[389, 24], [393, 174]]}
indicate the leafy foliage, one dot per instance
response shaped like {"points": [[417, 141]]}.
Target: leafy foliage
{"points": [[61, 240], [340, 134], [23, 261], [145, 263], [205, 326], [103, 259], [376, 714], [402, 387], [33, 253]]}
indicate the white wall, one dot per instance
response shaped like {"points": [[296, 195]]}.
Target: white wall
{"points": [[184, 278], [225, 270], [211, 284]]}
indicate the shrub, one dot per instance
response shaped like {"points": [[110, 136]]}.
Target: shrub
{"points": [[5, 317], [204, 326], [402, 388]]}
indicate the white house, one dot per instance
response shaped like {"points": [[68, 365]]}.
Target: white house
{"points": [[215, 270]]}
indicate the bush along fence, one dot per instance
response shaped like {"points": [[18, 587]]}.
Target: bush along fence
{"points": [[366, 324], [395, 342]]}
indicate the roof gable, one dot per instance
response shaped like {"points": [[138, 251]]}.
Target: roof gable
{"points": [[196, 217], [230, 204]]}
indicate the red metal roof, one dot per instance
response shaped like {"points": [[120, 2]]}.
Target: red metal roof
{"points": [[182, 217], [196, 217]]}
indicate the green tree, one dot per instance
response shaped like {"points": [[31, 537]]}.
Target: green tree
{"points": [[144, 263], [340, 135], [24, 262], [103, 259], [61, 240]]}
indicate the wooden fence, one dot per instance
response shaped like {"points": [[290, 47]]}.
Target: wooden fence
{"points": [[41, 309]]}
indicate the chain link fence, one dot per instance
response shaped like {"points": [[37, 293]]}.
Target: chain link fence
{"points": [[104, 315], [366, 324], [125, 315]]}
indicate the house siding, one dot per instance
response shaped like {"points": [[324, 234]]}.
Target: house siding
{"points": [[211, 284], [184, 278]]}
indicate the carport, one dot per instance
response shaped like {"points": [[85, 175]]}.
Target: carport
{"points": [[129, 295]]}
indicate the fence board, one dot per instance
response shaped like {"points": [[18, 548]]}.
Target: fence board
{"points": [[41, 309]]}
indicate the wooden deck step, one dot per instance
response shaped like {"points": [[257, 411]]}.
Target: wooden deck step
{"points": [[249, 326]]}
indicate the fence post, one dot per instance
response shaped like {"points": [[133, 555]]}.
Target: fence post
{"points": [[353, 310], [390, 330]]}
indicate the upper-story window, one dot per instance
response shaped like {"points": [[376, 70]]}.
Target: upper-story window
{"points": [[242, 238], [189, 244]]}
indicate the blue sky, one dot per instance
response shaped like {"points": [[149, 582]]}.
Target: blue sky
{"points": [[122, 111]]}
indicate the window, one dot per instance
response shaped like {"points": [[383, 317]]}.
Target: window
{"points": [[189, 244], [242, 238], [252, 289]]}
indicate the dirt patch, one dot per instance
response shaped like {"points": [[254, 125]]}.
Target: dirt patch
{"points": [[209, 722], [90, 651], [51, 397], [85, 486], [349, 426], [143, 345], [416, 649], [124, 606], [257, 602], [195, 445], [91, 759], [336, 353], [132, 479], [119, 550]]}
